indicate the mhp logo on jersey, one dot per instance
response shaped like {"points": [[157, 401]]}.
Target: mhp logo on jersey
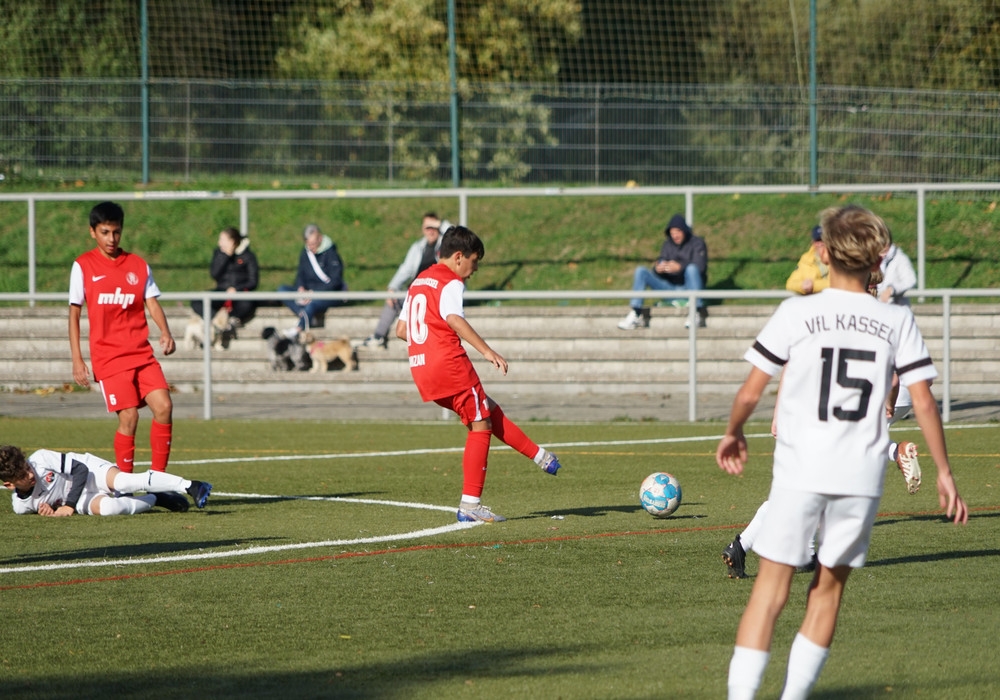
{"points": [[116, 298], [49, 477]]}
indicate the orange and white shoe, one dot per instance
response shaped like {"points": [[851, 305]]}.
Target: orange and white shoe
{"points": [[909, 465]]}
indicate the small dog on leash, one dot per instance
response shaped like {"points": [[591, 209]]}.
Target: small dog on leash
{"points": [[285, 354], [325, 352], [223, 331]]}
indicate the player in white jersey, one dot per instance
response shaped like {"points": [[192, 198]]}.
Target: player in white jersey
{"points": [[58, 484], [838, 350], [904, 454]]}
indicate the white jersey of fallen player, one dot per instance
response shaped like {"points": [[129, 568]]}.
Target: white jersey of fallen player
{"points": [[53, 481], [838, 350]]}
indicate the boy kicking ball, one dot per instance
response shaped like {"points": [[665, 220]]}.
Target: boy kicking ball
{"points": [[60, 484], [838, 349], [432, 322]]}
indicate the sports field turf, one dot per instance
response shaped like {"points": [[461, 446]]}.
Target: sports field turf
{"points": [[318, 570]]}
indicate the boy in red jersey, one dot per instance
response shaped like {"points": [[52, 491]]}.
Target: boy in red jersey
{"points": [[432, 322], [118, 287]]}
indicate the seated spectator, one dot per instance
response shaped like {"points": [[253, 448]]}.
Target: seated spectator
{"points": [[898, 276], [810, 275], [320, 270], [420, 255], [682, 266], [234, 269]]}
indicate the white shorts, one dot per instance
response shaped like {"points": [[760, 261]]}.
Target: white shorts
{"points": [[844, 525], [97, 481]]}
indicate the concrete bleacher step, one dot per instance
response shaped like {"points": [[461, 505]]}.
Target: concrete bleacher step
{"points": [[551, 349]]}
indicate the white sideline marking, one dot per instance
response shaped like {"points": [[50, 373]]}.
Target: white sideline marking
{"points": [[442, 450], [452, 450], [416, 534], [340, 499]]}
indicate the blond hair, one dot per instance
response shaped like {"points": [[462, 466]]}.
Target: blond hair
{"points": [[854, 237]]}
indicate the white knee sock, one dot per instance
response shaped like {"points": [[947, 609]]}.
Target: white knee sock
{"points": [[746, 670], [127, 505], [750, 533], [805, 661], [151, 482]]}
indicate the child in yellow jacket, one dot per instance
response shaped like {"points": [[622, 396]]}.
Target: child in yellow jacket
{"points": [[810, 275]]}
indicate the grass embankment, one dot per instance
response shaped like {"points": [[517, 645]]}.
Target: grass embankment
{"points": [[532, 243]]}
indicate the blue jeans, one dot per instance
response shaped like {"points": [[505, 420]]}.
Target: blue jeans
{"points": [[645, 279], [307, 313]]}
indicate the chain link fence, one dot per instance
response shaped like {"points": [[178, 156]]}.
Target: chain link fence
{"points": [[592, 134]]}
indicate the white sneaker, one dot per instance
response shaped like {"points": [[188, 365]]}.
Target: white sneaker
{"points": [[376, 341], [635, 319], [906, 458]]}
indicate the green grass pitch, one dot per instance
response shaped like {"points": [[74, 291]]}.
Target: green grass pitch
{"points": [[318, 571]]}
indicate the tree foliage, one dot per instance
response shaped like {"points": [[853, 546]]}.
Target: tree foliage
{"points": [[400, 49], [78, 39], [918, 44], [497, 40]]}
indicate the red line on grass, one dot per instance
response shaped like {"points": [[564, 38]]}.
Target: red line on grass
{"points": [[422, 548]]}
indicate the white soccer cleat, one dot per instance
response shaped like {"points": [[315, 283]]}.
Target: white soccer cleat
{"points": [[478, 513], [909, 465]]}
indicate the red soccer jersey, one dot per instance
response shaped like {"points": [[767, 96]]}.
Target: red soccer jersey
{"points": [[438, 362], [115, 291]]}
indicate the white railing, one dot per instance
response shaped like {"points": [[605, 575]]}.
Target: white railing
{"points": [[463, 195], [946, 296]]}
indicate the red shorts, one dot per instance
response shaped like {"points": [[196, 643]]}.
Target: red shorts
{"points": [[471, 405], [129, 389]]}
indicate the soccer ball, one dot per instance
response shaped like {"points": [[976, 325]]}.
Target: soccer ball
{"points": [[660, 494]]}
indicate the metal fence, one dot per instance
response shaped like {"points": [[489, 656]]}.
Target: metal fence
{"points": [[946, 296], [584, 134]]}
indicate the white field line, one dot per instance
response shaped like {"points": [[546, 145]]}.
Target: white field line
{"points": [[202, 556], [452, 450], [445, 450]]}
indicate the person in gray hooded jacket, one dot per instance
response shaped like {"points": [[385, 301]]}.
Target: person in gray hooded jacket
{"points": [[681, 266], [420, 255]]}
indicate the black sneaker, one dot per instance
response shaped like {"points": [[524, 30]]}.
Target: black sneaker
{"points": [[735, 558], [702, 315], [172, 501], [199, 490]]}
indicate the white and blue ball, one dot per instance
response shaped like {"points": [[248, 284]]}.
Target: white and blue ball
{"points": [[660, 494]]}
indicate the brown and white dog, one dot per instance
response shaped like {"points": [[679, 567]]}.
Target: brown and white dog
{"points": [[223, 331], [326, 352]]}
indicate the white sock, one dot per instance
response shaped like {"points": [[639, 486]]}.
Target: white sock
{"points": [[750, 533], [470, 501], [805, 661], [127, 505], [151, 482], [540, 456], [893, 451], [746, 670]]}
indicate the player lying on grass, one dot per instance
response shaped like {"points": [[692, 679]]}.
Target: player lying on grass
{"points": [[838, 349], [432, 322], [58, 484]]}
